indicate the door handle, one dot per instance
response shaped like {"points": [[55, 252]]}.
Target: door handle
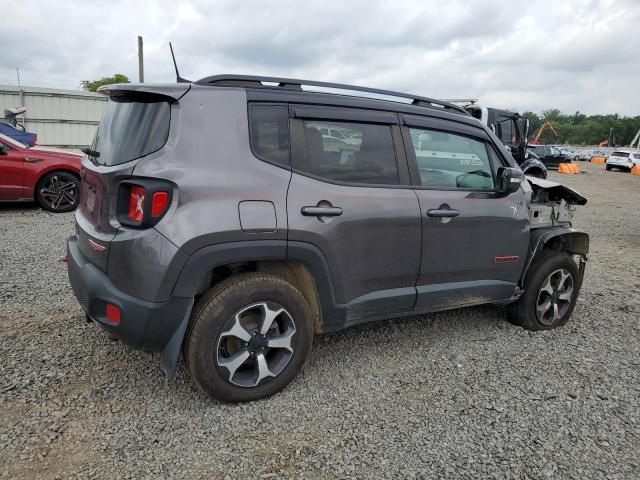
{"points": [[321, 211], [442, 213], [32, 160]]}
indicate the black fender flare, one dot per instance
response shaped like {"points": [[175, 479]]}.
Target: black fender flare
{"points": [[201, 262], [571, 240]]}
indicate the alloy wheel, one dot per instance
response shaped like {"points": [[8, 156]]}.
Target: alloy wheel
{"points": [[554, 297], [59, 192], [256, 344]]}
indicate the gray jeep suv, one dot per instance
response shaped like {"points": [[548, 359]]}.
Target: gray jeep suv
{"points": [[222, 221]]}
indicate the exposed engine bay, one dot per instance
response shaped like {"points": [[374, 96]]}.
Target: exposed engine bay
{"points": [[550, 203]]}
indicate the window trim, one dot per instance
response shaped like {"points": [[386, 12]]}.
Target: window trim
{"points": [[300, 161], [414, 171], [259, 156]]}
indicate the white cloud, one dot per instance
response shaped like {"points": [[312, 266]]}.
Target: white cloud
{"points": [[573, 55]]}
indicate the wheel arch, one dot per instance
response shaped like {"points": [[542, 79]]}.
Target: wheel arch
{"points": [[565, 239], [301, 264]]}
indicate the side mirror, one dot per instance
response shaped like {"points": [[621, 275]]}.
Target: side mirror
{"points": [[509, 180], [3, 150]]}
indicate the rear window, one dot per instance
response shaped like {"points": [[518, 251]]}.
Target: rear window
{"points": [[620, 154], [131, 127]]}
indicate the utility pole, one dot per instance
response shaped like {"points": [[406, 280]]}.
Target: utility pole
{"points": [[140, 61]]}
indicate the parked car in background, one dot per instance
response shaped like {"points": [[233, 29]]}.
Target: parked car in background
{"points": [[50, 177], [587, 155], [623, 160], [18, 133], [550, 155]]}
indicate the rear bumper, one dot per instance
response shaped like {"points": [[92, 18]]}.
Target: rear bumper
{"points": [[620, 163], [143, 325]]}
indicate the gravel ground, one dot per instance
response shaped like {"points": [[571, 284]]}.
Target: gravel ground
{"points": [[461, 394]]}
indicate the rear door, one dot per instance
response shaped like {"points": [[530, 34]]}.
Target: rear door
{"points": [[11, 173], [353, 200], [474, 240]]}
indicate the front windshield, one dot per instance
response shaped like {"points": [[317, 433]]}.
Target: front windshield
{"points": [[12, 142]]}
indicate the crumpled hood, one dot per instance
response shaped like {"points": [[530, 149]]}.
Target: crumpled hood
{"points": [[557, 191]]}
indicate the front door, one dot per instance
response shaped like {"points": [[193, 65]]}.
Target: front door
{"points": [[474, 240], [353, 200], [11, 174]]}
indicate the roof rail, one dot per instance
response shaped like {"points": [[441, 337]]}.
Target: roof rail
{"points": [[293, 84]]}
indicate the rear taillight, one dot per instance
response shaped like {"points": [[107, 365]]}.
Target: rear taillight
{"points": [[136, 204], [159, 202], [143, 202]]}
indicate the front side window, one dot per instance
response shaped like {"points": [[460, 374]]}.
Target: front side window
{"points": [[270, 132], [361, 153], [447, 160]]}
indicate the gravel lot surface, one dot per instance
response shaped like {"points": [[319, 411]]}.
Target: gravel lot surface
{"points": [[461, 394]]}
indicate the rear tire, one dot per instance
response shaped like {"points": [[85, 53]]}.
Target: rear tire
{"points": [[58, 191], [551, 285], [249, 337], [607, 167]]}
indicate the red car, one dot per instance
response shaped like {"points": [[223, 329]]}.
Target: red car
{"points": [[48, 176]]}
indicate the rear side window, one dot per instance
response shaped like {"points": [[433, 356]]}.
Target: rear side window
{"points": [[269, 129], [447, 160], [131, 127], [351, 152]]}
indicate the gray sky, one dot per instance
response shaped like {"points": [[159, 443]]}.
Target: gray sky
{"points": [[525, 55]]}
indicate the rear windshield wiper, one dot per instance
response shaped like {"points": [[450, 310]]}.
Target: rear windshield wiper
{"points": [[91, 153]]}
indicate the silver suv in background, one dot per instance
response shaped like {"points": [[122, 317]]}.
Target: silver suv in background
{"points": [[221, 221]]}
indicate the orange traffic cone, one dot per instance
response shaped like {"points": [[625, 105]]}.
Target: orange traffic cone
{"points": [[575, 167], [635, 170], [597, 160]]}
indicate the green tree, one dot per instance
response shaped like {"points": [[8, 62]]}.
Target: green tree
{"points": [[93, 85]]}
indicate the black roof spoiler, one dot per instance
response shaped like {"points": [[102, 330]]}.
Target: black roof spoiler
{"points": [[173, 91]]}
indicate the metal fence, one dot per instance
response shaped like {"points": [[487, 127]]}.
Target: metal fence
{"points": [[61, 118]]}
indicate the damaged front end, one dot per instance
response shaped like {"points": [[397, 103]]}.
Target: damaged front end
{"points": [[551, 204], [551, 208]]}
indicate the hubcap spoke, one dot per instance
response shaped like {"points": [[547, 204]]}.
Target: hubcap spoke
{"points": [[546, 286], [234, 362], [563, 278], [237, 331], [566, 295], [282, 341], [263, 369], [556, 313], [268, 318], [544, 308], [66, 187]]}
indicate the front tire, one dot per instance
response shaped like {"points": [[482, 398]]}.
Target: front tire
{"points": [[552, 285], [58, 192], [250, 335]]}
